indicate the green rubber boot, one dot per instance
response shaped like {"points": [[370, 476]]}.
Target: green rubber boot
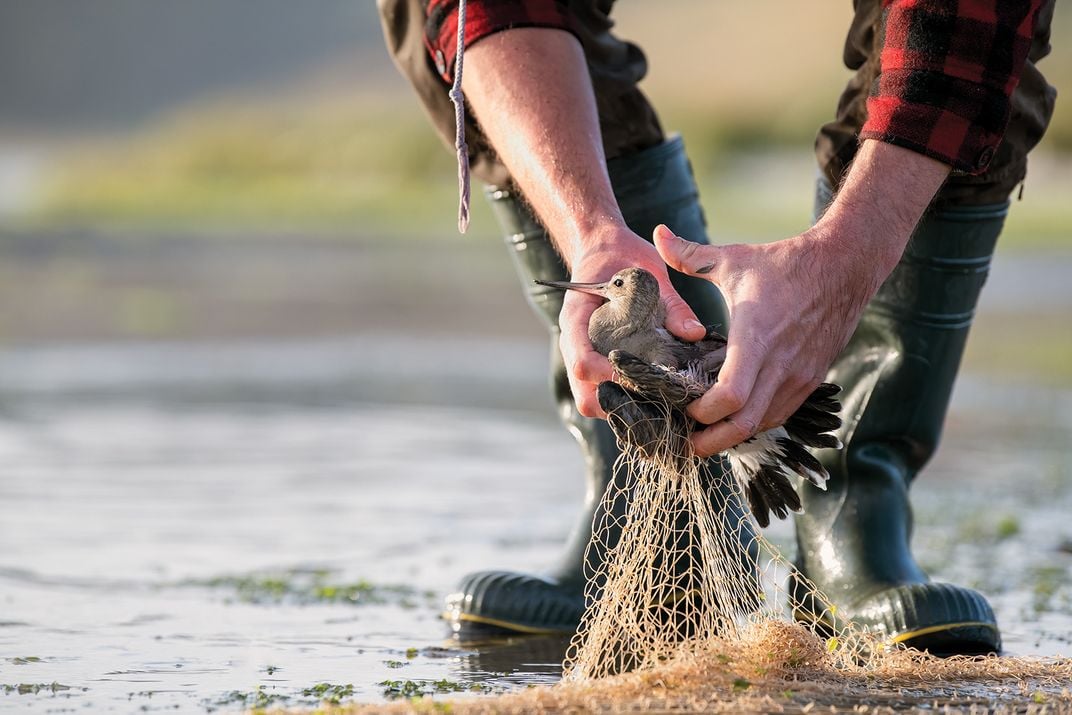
{"points": [[653, 186], [897, 375]]}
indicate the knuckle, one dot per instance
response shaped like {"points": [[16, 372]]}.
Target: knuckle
{"points": [[757, 344], [776, 419], [702, 450], [692, 256], [733, 398], [590, 367], [670, 297], [743, 427], [784, 366], [703, 444], [795, 379], [688, 249], [582, 371], [587, 404]]}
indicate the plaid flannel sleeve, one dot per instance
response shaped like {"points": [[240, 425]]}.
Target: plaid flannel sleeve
{"points": [[483, 18], [947, 72]]}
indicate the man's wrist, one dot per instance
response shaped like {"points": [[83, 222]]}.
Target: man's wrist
{"points": [[859, 233], [886, 192], [602, 235], [607, 242]]}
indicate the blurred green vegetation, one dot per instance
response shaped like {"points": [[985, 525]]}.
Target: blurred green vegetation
{"points": [[1033, 347], [334, 165], [378, 170], [369, 164]]}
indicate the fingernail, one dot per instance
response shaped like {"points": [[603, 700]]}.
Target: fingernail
{"points": [[693, 324]]}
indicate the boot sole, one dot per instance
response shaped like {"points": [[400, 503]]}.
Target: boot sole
{"points": [[504, 602], [961, 621], [468, 625]]}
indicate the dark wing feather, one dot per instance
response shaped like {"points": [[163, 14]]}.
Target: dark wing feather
{"points": [[780, 495], [818, 416], [803, 462], [757, 502]]}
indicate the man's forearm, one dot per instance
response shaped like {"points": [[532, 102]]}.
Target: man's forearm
{"points": [[530, 91], [881, 201]]}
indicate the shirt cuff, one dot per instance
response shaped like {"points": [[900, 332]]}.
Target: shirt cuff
{"points": [[947, 72], [962, 132], [483, 18]]}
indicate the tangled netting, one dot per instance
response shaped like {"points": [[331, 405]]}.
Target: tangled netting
{"points": [[692, 610], [676, 568]]}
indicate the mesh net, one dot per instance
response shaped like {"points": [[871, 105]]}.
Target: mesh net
{"points": [[692, 609], [676, 567]]}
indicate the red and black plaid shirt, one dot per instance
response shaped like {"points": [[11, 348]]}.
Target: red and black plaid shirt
{"points": [[947, 68]]}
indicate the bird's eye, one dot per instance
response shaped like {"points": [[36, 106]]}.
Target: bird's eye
{"points": [[618, 282]]}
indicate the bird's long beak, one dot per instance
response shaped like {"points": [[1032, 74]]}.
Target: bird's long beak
{"points": [[599, 289]]}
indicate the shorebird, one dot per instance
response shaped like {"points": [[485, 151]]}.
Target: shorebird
{"points": [[657, 370]]}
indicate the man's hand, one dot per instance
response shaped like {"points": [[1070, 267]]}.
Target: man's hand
{"points": [[585, 367], [795, 303], [793, 306]]}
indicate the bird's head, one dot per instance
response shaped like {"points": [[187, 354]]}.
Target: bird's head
{"points": [[630, 289], [633, 307]]}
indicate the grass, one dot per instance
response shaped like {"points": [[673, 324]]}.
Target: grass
{"points": [[370, 165], [339, 166], [1031, 347], [362, 171]]}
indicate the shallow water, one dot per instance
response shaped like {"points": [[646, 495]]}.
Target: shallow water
{"points": [[182, 525]]}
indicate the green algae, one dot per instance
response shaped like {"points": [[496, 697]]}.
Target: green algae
{"points": [[395, 689], [305, 586], [329, 693], [269, 697], [259, 699], [36, 688]]}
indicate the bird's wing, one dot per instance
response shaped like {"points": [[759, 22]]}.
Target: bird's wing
{"points": [[811, 424], [761, 470], [655, 382]]}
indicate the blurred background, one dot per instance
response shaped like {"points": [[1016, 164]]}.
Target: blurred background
{"points": [[245, 358], [129, 128]]}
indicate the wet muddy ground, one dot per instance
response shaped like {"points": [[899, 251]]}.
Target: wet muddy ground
{"points": [[216, 527], [200, 526]]}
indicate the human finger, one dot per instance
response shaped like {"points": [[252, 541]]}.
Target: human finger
{"points": [[785, 403], [736, 378], [694, 259], [585, 368], [743, 424]]}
